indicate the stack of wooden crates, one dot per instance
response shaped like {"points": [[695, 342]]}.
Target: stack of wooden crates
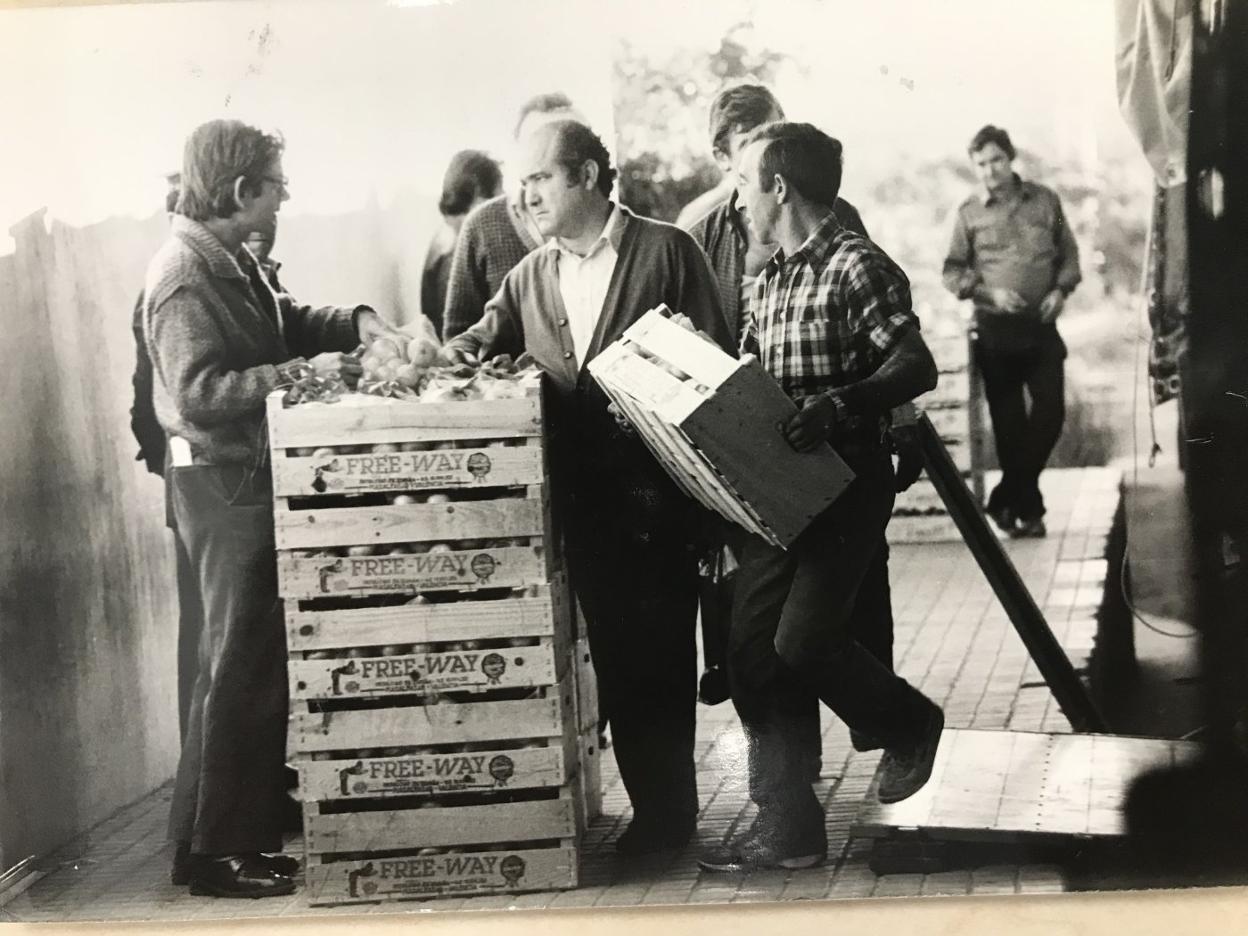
{"points": [[955, 411], [443, 710]]}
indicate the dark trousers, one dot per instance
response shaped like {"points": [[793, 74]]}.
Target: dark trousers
{"points": [[230, 784], [639, 594], [1024, 435], [793, 635], [871, 622]]}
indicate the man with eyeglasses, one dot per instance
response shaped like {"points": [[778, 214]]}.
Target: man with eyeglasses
{"points": [[220, 342]]}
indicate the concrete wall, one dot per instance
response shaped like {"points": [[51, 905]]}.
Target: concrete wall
{"points": [[88, 618]]}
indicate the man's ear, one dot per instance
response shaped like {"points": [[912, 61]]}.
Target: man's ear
{"points": [[589, 175], [781, 188], [238, 193]]}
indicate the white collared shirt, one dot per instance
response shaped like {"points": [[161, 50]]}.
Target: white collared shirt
{"points": [[583, 284]]}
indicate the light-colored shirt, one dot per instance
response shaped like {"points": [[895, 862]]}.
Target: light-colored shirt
{"points": [[583, 282]]}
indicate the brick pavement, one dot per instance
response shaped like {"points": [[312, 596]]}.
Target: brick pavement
{"points": [[953, 640]]}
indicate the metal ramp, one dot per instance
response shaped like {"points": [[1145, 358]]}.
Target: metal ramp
{"points": [[1014, 787]]}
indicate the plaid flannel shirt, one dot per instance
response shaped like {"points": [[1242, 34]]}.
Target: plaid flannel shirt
{"points": [[827, 316]]}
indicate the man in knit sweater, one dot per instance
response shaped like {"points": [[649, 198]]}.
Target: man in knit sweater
{"points": [[498, 234], [219, 343], [628, 528]]}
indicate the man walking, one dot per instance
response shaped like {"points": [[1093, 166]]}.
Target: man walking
{"points": [[1013, 254], [629, 530], [831, 320]]}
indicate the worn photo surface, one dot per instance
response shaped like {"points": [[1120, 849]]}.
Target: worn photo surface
{"points": [[480, 454]]}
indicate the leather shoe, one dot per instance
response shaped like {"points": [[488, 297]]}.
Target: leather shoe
{"points": [[238, 876], [904, 770], [768, 844], [184, 862], [648, 838]]}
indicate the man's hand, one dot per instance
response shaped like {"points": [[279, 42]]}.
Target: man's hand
{"points": [[1006, 300], [372, 326], [345, 366], [620, 419], [1051, 306], [458, 354], [906, 444], [812, 424]]}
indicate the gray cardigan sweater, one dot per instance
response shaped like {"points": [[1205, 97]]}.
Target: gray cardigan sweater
{"points": [[220, 342]]}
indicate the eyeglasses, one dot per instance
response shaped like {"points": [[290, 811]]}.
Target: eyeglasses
{"points": [[280, 181]]}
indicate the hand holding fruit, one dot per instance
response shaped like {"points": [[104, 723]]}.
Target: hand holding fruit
{"points": [[372, 326], [335, 362]]}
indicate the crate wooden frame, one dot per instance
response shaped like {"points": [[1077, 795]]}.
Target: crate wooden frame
{"points": [[723, 448]]}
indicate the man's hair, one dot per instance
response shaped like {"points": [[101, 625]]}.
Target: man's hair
{"points": [[737, 108], [808, 158], [575, 145], [988, 135], [472, 174], [216, 154], [547, 103]]}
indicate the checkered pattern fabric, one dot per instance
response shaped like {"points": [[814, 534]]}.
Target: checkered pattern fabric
{"points": [[827, 316]]}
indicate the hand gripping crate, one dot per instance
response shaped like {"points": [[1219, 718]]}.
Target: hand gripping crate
{"points": [[433, 669], [713, 425]]}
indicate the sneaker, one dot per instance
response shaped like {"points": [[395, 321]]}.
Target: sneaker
{"points": [[1030, 529], [904, 771], [765, 846]]}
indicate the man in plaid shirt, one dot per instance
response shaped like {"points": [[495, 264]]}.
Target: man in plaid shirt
{"points": [[831, 320]]}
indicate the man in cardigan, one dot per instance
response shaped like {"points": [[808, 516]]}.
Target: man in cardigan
{"points": [[628, 528], [498, 234], [219, 343]]}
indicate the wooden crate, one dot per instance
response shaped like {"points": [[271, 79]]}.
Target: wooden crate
{"points": [[586, 688], [720, 443], [431, 633]]}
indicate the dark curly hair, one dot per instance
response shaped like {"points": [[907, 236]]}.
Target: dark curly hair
{"points": [[575, 145], [809, 159], [988, 135]]}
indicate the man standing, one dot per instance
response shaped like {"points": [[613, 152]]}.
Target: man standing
{"points": [[1013, 254], [629, 530], [498, 235], [831, 320], [219, 343]]}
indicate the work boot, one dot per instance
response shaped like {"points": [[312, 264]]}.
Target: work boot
{"points": [[770, 843], [246, 875], [904, 770]]}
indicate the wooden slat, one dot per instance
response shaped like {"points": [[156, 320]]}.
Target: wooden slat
{"points": [[586, 688], [380, 830], [423, 726], [360, 419], [409, 523], [492, 466], [461, 570], [589, 778], [405, 674], [449, 875], [428, 623], [486, 771], [698, 358]]}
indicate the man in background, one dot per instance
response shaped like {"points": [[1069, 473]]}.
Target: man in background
{"points": [[498, 234], [629, 530], [1013, 254], [471, 178]]}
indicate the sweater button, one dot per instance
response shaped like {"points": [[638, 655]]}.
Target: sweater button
{"points": [[567, 355], [563, 321]]}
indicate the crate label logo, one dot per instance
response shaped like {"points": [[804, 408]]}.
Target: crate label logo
{"points": [[367, 888], [324, 575], [344, 779], [406, 873], [338, 672], [415, 773], [319, 484], [479, 465], [512, 869], [493, 666], [483, 567], [502, 768]]}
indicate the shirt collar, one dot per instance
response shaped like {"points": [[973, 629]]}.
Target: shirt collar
{"points": [[208, 246], [612, 234], [1020, 188]]}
